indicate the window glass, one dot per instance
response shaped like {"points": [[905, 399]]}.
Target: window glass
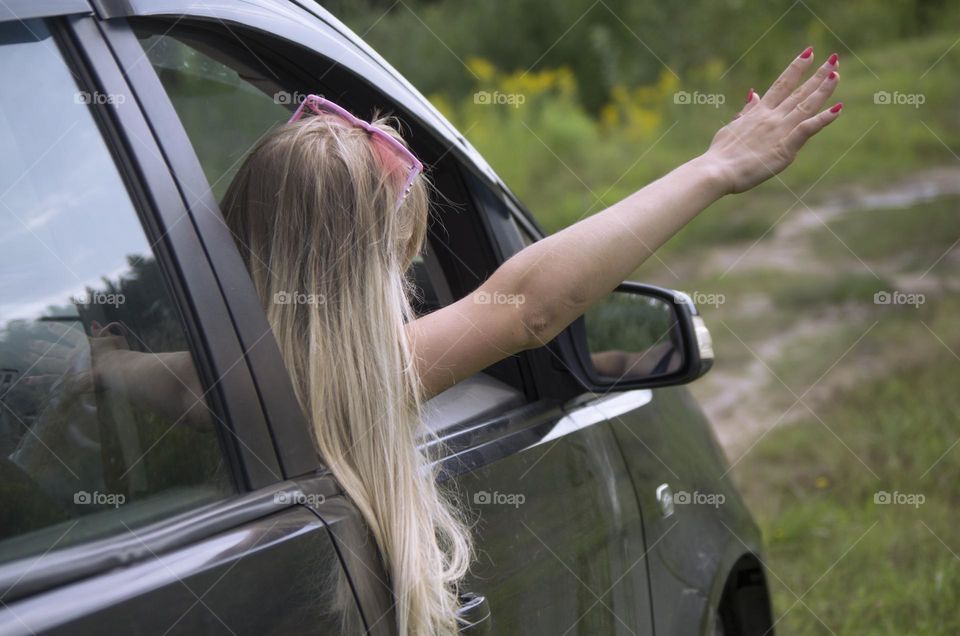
{"points": [[92, 350], [224, 114]]}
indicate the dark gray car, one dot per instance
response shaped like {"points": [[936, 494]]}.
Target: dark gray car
{"points": [[601, 499]]}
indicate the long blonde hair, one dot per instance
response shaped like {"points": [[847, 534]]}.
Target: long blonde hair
{"points": [[313, 210]]}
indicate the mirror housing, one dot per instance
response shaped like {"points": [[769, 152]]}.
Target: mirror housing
{"points": [[686, 342]]}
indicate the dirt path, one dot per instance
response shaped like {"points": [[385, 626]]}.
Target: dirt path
{"points": [[736, 396], [786, 247]]}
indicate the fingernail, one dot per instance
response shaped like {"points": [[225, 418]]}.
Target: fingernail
{"points": [[833, 59], [832, 75], [749, 95], [836, 108], [807, 52]]}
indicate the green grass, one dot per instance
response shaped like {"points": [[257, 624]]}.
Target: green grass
{"points": [[795, 290], [860, 567], [924, 231]]}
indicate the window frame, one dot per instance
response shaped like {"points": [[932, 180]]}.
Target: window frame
{"points": [[286, 424], [546, 368]]}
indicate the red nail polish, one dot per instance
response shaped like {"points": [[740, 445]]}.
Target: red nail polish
{"points": [[836, 108], [832, 75], [833, 59], [807, 52], [750, 96]]}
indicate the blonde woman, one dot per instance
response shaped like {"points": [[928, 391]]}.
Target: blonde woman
{"points": [[338, 206]]}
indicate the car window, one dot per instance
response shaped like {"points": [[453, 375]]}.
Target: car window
{"points": [[79, 461], [225, 113]]}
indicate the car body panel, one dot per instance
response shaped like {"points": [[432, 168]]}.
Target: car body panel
{"points": [[559, 537], [247, 580], [669, 441]]}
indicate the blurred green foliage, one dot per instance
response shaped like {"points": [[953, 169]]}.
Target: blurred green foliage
{"points": [[588, 93], [628, 322], [614, 43]]}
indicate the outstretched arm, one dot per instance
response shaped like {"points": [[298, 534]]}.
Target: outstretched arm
{"points": [[555, 280]]}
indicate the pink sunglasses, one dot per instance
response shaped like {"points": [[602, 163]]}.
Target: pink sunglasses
{"points": [[318, 105]]}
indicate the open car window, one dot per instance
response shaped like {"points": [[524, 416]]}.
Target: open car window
{"points": [[226, 107]]}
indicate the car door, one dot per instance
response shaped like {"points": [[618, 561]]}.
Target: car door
{"points": [[570, 557], [121, 514]]}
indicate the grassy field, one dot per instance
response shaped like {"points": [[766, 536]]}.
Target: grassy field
{"points": [[921, 228], [840, 562], [883, 417]]}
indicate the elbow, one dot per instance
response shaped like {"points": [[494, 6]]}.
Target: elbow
{"points": [[538, 325], [541, 309], [543, 317]]}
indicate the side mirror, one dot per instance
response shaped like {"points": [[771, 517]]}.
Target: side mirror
{"points": [[640, 336]]}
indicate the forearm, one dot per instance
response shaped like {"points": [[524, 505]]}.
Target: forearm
{"points": [[561, 276]]}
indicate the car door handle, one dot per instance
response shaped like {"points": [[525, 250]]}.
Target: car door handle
{"points": [[474, 614]]}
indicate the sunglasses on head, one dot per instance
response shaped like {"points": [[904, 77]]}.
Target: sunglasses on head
{"points": [[386, 146]]}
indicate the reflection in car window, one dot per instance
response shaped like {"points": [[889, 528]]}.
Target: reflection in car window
{"points": [[77, 461]]}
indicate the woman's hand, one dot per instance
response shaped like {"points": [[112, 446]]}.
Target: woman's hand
{"points": [[767, 134]]}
